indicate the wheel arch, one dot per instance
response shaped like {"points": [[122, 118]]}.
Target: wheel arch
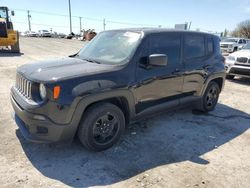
{"points": [[219, 78], [122, 98]]}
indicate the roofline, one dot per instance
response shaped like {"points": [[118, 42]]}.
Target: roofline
{"points": [[159, 30]]}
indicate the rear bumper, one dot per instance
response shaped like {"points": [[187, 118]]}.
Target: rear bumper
{"points": [[40, 131]]}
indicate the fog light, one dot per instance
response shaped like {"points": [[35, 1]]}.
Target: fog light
{"points": [[39, 117]]}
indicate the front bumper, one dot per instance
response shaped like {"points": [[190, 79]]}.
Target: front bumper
{"points": [[238, 70], [226, 50], [41, 131]]}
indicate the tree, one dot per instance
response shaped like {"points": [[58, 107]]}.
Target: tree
{"points": [[242, 29]]}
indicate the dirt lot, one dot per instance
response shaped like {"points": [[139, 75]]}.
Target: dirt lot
{"points": [[176, 149]]}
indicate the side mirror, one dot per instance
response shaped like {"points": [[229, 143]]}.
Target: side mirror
{"points": [[12, 13], [158, 59]]}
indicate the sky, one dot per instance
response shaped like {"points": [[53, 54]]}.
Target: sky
{"points": [[205, 15]]}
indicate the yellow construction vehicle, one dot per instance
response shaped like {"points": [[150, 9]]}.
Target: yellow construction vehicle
{"points": [[9, 38]]}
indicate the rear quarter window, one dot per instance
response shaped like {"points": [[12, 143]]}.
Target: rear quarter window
{"points": [[194, 46], [210, 46]]}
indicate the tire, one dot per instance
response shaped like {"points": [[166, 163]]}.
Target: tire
{"points": [[230, 77], [235, 49], [210, 97], [101, 126]]}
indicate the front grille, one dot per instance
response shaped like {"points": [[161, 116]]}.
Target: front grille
{"points": [[23, 86], [242, 59], [224, 45]]}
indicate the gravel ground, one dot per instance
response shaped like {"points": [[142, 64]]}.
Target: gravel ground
{"points": [[176, 149]]}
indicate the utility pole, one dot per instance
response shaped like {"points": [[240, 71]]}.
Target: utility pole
{"points": [[29, 16], [104, 24], [80, 24], [70, 21], [189, 25]]}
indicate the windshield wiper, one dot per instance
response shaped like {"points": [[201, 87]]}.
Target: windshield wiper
{"points": [[92, 61]]}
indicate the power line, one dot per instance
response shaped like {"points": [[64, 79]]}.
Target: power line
{"points": [[89, 18], [38, 24], [56, 14], [103, 21]]}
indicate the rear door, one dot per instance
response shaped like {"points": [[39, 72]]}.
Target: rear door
{"points": [[196, 63]]}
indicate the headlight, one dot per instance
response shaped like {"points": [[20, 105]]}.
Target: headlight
{"points": [[230, 45], [231, 58], [42, 90]]}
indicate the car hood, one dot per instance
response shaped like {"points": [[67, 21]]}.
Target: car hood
{"points": [[227, 42], [241, 53], [61, 69]]}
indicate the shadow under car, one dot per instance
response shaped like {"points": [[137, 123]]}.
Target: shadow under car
{"points": [[164, 139]]}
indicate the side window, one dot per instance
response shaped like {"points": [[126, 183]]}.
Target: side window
{"points": [[169, 44], [194, 46], [210, 46], [240, 41], [244, 41]]}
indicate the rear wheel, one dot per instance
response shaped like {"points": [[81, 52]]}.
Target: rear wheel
{"points": [[210, 97], [101, 127]]}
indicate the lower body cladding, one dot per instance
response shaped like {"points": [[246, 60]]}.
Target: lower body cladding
{"points": [[238, 70], [37, 128]]}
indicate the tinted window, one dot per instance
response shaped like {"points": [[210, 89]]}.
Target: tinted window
{"points": [[169, 44], [210, 46], [194, 46]]}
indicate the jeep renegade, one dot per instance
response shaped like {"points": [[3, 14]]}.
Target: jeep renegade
{"points": [[119, 77]]}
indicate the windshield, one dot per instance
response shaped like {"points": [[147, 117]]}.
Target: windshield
{"points": [[229, 40], [45, 31], [247, 46], [3, 13], [112, 47]]}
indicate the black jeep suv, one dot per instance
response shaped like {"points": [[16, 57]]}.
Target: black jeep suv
{"points": [[117, 78]]}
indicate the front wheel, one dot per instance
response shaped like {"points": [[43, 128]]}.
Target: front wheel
{"points": [[210, 97], [101, 127]]}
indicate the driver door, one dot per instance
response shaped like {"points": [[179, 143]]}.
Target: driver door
{"points": [[159, 84]]}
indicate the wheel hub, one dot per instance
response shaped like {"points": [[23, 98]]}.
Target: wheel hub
{"points": [[105, 128], [211, 97]]}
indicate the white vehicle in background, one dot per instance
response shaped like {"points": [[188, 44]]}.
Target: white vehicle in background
{"points": [[229, 45], [32, 34], [238, 63], [44, 33]]}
